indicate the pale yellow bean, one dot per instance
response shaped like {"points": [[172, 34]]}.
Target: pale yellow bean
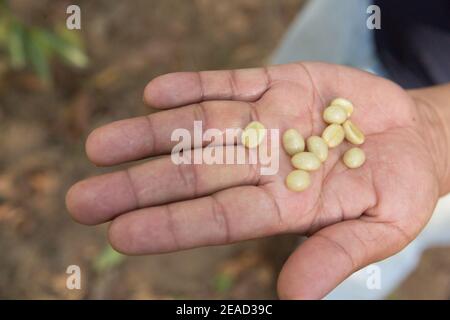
{"points": [[253, 134], [334, 114], [333, 135], [354, 158], [293, 142], [306, 161], [352, 133], [318, 146], [298, 180], [344, 103]]}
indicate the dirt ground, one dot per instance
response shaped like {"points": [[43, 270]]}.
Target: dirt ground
{"points": [[42, 135]]}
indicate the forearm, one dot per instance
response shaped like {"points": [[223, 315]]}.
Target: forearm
{"points": [[433, 105]]}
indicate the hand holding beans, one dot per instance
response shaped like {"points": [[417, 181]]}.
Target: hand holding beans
{"points": [[353, 217], [332, 136]]}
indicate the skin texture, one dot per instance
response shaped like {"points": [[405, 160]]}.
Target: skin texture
{"points": [[352, 217]]}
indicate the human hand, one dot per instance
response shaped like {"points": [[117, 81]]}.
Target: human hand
{"points": [[353, 217]]}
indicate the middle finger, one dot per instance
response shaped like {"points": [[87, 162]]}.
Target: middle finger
{"points": [[145, 136]]}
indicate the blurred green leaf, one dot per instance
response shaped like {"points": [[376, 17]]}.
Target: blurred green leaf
{"points": [[16, 45], [107, 259], [74, 56], [223, 283], [4, 30], [37, 46], [38, 55], [3, 5], [71, 36], [392, 296], [70, 52], [5, 19]]}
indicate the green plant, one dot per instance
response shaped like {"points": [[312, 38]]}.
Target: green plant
{"points": [[34, 46], [107, 259], [223, 282]]}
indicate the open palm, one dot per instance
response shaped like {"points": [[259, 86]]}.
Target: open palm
{"points": [[353, 216]]}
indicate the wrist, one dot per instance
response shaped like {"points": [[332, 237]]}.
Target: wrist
{"points": [[433, 108]]}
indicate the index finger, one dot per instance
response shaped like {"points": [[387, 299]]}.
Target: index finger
{"points": [[182, 88]]}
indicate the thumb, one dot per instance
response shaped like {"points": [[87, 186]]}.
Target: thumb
{"points": [[332, 254]]}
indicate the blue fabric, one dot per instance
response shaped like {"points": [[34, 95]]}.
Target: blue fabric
{"points": [[414, 41]]}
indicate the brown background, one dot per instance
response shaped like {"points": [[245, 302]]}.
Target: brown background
{"points": [[42, 133]]}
